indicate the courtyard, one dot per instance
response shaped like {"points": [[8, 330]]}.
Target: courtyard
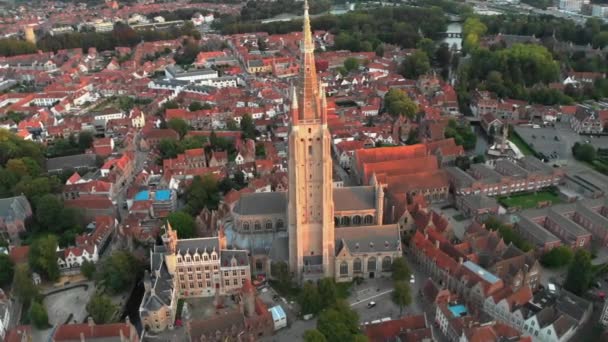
{"points": [[68, 304], [529, 200]]}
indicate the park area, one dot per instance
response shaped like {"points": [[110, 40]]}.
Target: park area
{"points": [[530, 200]]}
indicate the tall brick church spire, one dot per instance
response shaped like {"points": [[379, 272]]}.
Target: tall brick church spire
{"points": [[310, 205], [310, 106]]}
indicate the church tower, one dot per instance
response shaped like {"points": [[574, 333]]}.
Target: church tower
{"points": [[310, 207]]}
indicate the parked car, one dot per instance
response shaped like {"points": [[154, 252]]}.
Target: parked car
{"points": [[412, 279], [371, 305]]}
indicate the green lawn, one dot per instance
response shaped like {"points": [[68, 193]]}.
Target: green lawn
{"points": [[523, 147], [529, 200]]}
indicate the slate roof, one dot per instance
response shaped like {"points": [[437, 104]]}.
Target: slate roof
{"points": [[241, 257], [460, 178], [480, 201], [200, 244], [368, 239], [262, 203], [85, 160], [13, 208], [486, 174], [162, 286], [354, 198]]}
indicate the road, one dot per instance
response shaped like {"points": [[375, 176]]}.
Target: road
{"points": [[140, 158]]}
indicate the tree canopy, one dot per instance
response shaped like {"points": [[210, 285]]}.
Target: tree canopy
{"points": [[580, 273], [309, 300], [557, 257], [24, 288], [415, 65], [584, 152], [462, 133], [202, 192], [118, 272], [339, 323], [401, 295], [43, 257], [400, 270], [7, 270], [179, 125], [38, 315], [314, 335], [183, 223], [397, 102], [101, 309]]}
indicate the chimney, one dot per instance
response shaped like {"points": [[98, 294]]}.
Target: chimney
{"points": [[460, 260], [91, 324], [437, 244], [82, 339], [526, 268]]}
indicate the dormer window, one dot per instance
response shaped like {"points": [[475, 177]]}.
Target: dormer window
{"points": [[371, 245], [213, 256], [205, 257]]}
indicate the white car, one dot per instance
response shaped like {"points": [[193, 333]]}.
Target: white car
{"points": [[412, 279]]}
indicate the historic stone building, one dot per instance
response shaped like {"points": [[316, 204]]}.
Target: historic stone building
{"points": [[319, 230], [188, 268]]}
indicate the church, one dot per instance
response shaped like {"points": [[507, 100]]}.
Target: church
{"points": [[317, 229]]}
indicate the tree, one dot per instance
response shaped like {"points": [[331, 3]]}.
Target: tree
{"points": [[194, 106], [584, 152], [170, 105], [339, 323], [351, 64], [179, 125], [203, 192], [443, 55], [400, 270], [101, 309], [401, 295], [7, 270], [479, 159], [48, 212], [462, 133], [23, 286], [427, 45], [557, 257], [248, 127], [398, 103], [231, 125], [280, 272], [309, 300], [43, 257], [314, 335], [463, 162], [183, 223], [118, 272], [85, 140], [328, 292], [580, 273], [415, 65], [88, 269], [38, 315], [260, 150], [472, 30]]}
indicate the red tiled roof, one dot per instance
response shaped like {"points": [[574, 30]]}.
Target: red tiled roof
{"points": [[384, 331], [73, 332], [19, 254]]}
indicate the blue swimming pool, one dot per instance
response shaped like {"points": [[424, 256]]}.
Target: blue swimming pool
{"points": [[458, 310], [142, 196], [163, 195], [159, 195]]}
